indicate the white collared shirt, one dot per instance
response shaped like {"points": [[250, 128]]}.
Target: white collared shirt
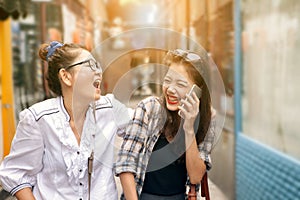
{"points": [[45, 154]]}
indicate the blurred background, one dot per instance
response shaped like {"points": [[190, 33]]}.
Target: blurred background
{"points": [[254, 44]]}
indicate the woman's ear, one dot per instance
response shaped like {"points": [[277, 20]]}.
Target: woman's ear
{"points": [[65, 77]]}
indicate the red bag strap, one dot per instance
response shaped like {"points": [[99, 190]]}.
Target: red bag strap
{"points": [[204, 187], [192, 195]]}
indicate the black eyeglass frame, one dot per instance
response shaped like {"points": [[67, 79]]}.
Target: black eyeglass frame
{"points": [[97, 64]]}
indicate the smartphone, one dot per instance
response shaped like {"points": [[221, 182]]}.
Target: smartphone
{"points": [[195, 88]]}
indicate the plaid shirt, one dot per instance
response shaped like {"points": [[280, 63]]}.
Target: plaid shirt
{"points": [[141, 135]]}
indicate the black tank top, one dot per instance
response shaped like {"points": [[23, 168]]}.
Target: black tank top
{"points": [[169, 180]]}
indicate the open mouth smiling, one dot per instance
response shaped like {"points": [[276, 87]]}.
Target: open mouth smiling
{"points": [[172, 99]]}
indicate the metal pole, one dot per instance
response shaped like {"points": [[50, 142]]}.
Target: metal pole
{"points": [[43, 40], [237, 68], [6, 86], [237, 81]]}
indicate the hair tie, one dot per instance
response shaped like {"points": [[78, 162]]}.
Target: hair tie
{"points": [[53, 46]]}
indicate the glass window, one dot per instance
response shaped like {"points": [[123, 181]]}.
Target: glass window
{"points": [[270, 99]]}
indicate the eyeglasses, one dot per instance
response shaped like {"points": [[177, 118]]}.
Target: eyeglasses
{"points": [[188, 56], [94, 65]]}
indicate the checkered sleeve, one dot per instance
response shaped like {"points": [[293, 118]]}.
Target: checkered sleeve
{"points": [[205, 147]]}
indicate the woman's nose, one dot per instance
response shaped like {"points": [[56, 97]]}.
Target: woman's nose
{"points": [[171, 89]]}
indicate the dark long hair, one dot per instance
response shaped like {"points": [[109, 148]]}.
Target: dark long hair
{"points": [[197, 70]]}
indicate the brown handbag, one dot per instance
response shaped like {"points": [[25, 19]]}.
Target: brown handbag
{"points": [[192, 195]]}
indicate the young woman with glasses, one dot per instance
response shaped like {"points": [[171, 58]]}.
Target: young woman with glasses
{"points": [[169, 140], [63, 146]]}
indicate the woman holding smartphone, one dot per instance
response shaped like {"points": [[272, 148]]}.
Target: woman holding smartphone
{"points": [[169, 140]]}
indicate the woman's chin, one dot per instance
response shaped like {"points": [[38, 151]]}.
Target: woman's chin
{"points": [[97, 97], [172, 107]]}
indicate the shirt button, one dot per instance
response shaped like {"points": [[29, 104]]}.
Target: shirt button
{"points": [[78, 152], [80, 183], [80, 170], [80, 199]]}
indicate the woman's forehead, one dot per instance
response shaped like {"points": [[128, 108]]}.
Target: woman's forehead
{"points": [[178, 71]]}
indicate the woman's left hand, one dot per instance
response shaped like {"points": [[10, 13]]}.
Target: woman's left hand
{"points": [[189, 110]]}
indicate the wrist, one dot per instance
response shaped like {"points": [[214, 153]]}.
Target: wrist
{"points": [[189, 139], [190, 133], [189, 130]]}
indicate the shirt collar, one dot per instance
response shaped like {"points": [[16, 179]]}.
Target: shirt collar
{"points": [[63, 109]]}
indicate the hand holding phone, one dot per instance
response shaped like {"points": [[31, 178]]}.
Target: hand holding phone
{"points": [[197, 91], [195, 88]]}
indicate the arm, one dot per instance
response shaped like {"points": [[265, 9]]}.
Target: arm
{"points": [[205, 147], [18, 169], [25, 194], [128, 185], [195, 166], [129, 157]]}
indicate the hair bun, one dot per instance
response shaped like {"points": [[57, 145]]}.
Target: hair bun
{"points": [[43, 51]]}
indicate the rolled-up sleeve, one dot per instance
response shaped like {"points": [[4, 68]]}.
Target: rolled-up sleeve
{"points": [[18, 170], [205, 147], [133, 142]]}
